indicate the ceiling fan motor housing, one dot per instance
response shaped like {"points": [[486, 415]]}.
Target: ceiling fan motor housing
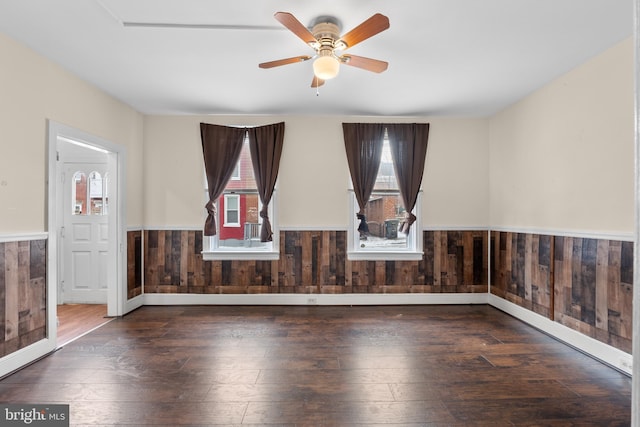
{"points": [[326, 30]]}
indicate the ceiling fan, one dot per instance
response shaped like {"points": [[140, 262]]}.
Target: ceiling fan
{"points": [[325, 39]]}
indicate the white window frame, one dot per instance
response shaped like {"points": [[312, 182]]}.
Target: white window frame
{"points": [[227, 197], [211, 249], [412, 252]]}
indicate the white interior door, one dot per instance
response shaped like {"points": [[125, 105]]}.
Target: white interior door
{"points": [[85, 236]]}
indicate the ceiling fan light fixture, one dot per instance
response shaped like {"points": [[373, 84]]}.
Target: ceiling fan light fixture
{"points": [[323, 36], [326, 67]]}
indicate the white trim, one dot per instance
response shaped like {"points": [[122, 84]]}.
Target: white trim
{"points": [[384, 255], [137, 301], [174, 227], [314, 299], [489, 255], [603, 235], [604, 352], [8, 238], [314, 228], [635, 387], [240, 254], [456, 228], [84, 145], [135, 228], [18, 359]]}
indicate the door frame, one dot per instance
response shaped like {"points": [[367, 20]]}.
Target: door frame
{"points": [[117, 262]]}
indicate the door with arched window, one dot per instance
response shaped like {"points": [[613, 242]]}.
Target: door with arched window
{"points": [[85, 233]]}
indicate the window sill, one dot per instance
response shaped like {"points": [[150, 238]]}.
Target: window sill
{"points": [[384, 256], [240, 255]]}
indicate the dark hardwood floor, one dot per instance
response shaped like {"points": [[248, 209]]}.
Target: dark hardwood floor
{"points": [[323, 366]]}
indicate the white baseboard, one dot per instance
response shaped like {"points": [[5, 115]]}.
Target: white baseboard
{"points": [[604, 352], [313, 299], [24, 356], [133, 303]]}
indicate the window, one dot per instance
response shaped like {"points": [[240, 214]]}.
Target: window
{"points": [[236, 172], [238, 217], [89, 196], [96, 193], [79, 193], [231, 210], [384, 213], [386, 164]]}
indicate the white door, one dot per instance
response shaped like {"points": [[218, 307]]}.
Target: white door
{"points": [[85, 237]]}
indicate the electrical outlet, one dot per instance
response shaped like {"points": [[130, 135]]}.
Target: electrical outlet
{"points": [[312, 301]]}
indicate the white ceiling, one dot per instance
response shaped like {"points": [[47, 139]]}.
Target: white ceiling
{"points": [[446, 57]]}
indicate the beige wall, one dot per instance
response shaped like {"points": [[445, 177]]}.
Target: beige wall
{"points": [[562, 158], [33, 90], [314, 176]]}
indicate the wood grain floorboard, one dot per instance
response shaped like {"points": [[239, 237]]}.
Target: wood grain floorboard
{"points": [[75, 320], [323, 366]]}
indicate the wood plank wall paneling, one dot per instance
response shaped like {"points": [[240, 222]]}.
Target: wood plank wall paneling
{"points": [[134, 264], [521, 265], [316, 262], [594, 287], [592, 281], [23, 309]]}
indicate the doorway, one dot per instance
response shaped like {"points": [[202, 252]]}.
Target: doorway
{"points": [[83, 220], [84, 240], [87, 249]]}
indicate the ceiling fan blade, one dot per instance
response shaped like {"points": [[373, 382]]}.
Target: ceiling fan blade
{"points": [[295, 26], [369, 28], [368, 64], [284, 61], [316, 82]]}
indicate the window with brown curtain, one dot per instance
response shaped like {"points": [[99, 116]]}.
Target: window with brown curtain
{"points": [[386, 163], [363, 145], [221, 146], [265, 143], [241, 163], [408, 144]]}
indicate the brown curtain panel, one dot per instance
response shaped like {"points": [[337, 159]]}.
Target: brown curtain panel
{"points": [[265, 144], [408, 143], [221, 146], [363, 144]]}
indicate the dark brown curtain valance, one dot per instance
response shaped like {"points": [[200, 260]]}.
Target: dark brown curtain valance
{"points": [[221, 146], [363, 144], [265, 143], [408, 143]]}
